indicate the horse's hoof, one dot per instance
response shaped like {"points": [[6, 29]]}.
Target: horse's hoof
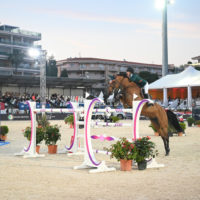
{"points": [[167, 153]]}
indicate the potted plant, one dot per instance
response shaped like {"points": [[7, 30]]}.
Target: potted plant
{"points": [[190, 121], [69, 120], [42, 120], [51, 136], [183, 126], [39, 135], [144, 149], [124, 151], [197, 123], [114, 119], [154, 129], [3, 132]]}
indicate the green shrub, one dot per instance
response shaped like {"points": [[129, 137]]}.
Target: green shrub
{"points": [[154, 129], [69, 119], [122, 149], [52, 135], [190, 121], [144, 149], [4, 130], [114, 119], [39, 134], [183, 126], [42, 120], [197, 122]]}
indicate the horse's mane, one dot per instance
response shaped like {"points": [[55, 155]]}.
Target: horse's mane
{"points": [[122, 74]]}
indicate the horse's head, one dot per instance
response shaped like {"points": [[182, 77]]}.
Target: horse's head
{"points": [[115, 84], [114, 87]]}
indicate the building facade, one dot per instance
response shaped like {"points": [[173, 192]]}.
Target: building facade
{"points": [[12, 39], [100, 69], [197, 58]]}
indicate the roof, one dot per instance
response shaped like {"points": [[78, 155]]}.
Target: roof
{"points": [[30, 81], [189, 77], [100, 60], [196, 58]]}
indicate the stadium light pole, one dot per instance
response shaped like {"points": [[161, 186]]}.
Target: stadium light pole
{"points": [[40, 55], [162, 4], [164, 41]]}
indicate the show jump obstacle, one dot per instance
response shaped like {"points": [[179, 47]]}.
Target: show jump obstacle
{"points": [[89, 157]]}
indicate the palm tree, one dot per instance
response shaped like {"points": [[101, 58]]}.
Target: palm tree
{"points": [[16, 58]]}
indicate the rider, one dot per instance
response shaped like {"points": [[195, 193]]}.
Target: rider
{"points": [[139, 81]]}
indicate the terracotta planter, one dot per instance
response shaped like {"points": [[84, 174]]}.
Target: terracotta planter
{"points": [[156, 133], [125, 165], [52, 149], [180, 134], [3, 137], [37, 149], [198, 125], [71, 126]]}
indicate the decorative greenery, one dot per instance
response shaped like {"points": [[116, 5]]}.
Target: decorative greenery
{"points": [[42, 120], [197, 122], [39, 134], [51, 69], [182, 125], [150, 77], [52, 135], [122, 149], [64, 73], [154, 129], [144, 148], [4, 130], [114, 119], [16, 58], [190, 121], [69, 119]]}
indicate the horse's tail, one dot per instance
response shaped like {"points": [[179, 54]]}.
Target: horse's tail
{"points": [[173, 121]]}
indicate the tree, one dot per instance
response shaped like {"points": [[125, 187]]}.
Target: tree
{"points": [[51, 69], [64, 73], [150, 77], [16, 58], [197, 68]]}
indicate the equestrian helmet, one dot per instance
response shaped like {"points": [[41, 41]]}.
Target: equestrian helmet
{"points": [[130, 70]]}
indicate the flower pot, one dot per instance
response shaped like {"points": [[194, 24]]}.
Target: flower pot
{"points": [[189, 124], [180, 134], [125, 165], [3, 137], [37, 149], [142, 165], [71, 126], [52, 149], [156, 133], [198, 125]]}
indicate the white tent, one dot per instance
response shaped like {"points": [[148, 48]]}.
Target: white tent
{"points": [[188, 78]]}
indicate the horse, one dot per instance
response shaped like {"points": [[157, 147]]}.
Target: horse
{"points": [[160, 118]]}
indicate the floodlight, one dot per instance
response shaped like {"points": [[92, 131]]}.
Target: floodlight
{"points": [[34, 53], [160, 4]]}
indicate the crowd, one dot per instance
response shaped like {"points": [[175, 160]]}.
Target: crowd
{"points": [[13, 100]]}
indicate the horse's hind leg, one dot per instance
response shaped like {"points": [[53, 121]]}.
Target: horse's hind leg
{"points": [[166, 145]]}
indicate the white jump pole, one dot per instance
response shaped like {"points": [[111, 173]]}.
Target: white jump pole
{"points": [[89, 158], [30, 151]]}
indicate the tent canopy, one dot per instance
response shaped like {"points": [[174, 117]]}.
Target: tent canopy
{"points": [[189, 77]]}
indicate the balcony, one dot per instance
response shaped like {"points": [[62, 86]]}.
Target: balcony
{"points": [[25, 33], [16, 43]]}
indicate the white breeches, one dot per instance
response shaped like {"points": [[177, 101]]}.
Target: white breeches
{"points": [[146, 88]]}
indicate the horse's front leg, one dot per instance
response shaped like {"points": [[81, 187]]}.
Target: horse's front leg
{"points": [[122, 99]]}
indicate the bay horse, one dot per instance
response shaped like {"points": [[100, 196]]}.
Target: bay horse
{"points": [[160, 118]]}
